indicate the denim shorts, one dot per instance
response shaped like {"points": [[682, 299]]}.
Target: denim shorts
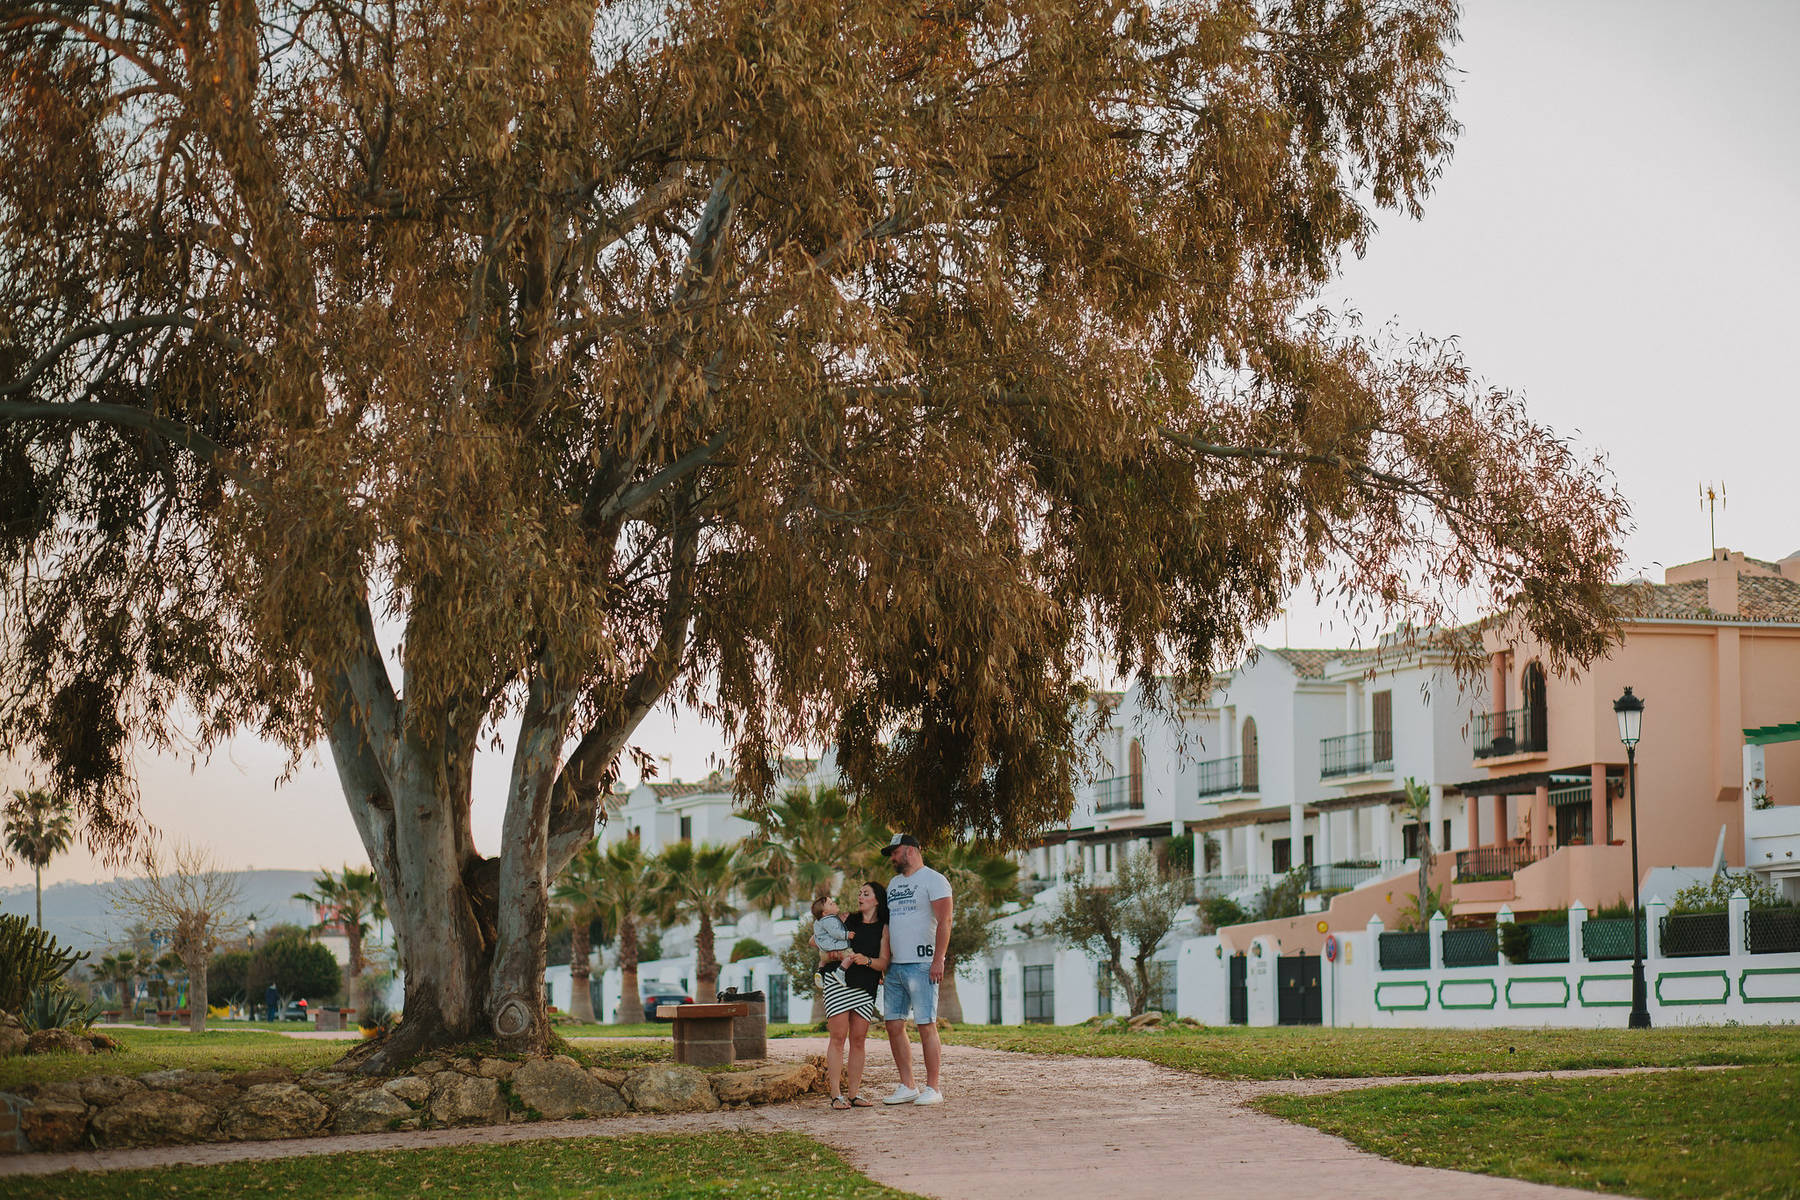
{"points": [[909, 992]]}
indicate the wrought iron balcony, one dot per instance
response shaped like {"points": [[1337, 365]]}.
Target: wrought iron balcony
{"points": [[1356, 754], [1516, 731], [1496, 862], [1223, 776], [1114, 795]]}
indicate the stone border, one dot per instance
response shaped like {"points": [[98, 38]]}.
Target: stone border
{"points": [[179, 1107]]}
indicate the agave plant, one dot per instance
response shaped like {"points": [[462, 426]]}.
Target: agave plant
{"points": [[57, 1006]]}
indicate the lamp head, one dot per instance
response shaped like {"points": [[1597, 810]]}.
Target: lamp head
{"points": [[1630, 711]]}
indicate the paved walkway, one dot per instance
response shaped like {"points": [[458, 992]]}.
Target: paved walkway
{"points": [[1012, 1125]]}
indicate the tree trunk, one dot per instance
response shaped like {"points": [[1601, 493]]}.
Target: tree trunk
{"points": [[37, 873], [706, 964], [353, 997], [631, 998], [949, 1002], [581, 995], [197, 994]]}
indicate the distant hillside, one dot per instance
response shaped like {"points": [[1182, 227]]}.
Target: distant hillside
{"points": [[79, 915]]}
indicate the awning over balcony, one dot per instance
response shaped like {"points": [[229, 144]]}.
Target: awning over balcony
{"points": [[1367, 800], [1259, 816], [1531, 781], [1768, 735]]}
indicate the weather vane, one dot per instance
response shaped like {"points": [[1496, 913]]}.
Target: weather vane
{"points": [[1712, 499]]}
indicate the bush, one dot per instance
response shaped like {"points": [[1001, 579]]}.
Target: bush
{"points": [[1285, 898], [1715, 894], [29, 959], [748, 948], [296, 966], [801, 961], [57, 1006], [1220, 911], [228, 977], [1515, 941], [1618, 910]]}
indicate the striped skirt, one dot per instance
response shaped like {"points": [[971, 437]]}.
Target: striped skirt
{"points": [[840, 997]]}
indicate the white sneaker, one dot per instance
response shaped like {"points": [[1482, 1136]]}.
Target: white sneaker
{"points": [[929, 1095], [904, 1095]]}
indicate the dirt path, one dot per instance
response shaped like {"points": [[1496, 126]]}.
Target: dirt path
{"points": [[1012, 1125]]}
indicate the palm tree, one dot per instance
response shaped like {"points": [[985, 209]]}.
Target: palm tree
{"points": [[700, 883], [352, 902], [627, 892], [38, 828], [578, 892], [121, 970], [981, 879]]}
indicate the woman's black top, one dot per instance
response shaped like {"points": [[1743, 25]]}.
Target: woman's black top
{"points": [[865, 940]]}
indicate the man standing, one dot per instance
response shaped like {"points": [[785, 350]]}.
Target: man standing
{"points": [[919, 911]]}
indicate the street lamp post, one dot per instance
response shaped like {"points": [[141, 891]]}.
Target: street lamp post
{"points": [[1630, 711]]}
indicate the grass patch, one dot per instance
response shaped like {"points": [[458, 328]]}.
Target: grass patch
{"points": [[1727, 1134], [159, 1049], [784, 1165], [1236, 1052]]}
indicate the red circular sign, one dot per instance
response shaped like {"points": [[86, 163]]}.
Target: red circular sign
{"points": [[1331, 947]]}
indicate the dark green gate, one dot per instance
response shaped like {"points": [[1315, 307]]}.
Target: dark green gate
{"points": [[1298, 1000], [1239, 989]]}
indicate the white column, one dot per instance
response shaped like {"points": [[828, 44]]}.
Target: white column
{"points": [[1228, 723], [1436, 829], [1296, 833], [1352, 708], [1755, 784], [1322, 851], [1353, 848]]}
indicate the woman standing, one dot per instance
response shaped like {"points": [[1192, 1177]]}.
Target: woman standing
{"points": [[850, 987]]}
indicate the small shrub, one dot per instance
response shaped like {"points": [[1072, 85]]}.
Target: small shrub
{"points": [[1515, 941], [748, 948], [1715, 894], [1618, 910], [1220, 911], [57, 1006]]}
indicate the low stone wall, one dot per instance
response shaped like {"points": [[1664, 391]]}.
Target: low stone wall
{"points": [[171, 1107]]}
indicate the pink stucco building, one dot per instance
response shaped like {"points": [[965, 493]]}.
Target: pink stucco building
{"points": [[1712, 650]]}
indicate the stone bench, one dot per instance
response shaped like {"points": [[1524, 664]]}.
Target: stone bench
{"points": [[333, 1020], [704, 1033]]}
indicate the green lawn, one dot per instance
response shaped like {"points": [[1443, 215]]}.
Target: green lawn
{"points": [[1728, 1134], [1236, 1052], [783, 1165], [158, 1049]]}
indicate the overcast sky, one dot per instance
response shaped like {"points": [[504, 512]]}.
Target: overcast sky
{"points": [[1615, 239]]}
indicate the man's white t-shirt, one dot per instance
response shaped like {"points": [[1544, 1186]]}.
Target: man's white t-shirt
{"points": [[912, 926]]}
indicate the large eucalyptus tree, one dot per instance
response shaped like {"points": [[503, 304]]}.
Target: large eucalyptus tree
{"points": [[402, 374]]}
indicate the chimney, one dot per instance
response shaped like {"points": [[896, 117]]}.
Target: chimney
{"points": [[1722, 582]]}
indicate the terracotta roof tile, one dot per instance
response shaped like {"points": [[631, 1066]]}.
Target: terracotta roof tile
{"points": [[1308, 664], [1760, 598]]}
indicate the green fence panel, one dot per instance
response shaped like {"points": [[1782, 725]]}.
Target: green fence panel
{"points": [[1772, 930], [1471, 947], [1696, 935], [1405, 951], [1607, 939], [1549, 942]]}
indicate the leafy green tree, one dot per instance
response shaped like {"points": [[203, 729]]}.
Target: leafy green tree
{"points": [[701, 884], [228, 978], [39, 826], [804, 843], [1130, 914], [297, 966], [350, 902], [747, 948], [872, 385], [1417, 805], [120, 971]]}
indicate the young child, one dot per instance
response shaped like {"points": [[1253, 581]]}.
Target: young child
{"points": [[828, 933]]}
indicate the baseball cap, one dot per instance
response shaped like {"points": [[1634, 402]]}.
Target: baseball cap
{"points": [[899, 840]]}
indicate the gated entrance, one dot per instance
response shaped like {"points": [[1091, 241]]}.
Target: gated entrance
{"points": [[1297, 994], [1239, 989]]}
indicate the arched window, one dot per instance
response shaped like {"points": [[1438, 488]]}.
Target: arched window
{"points": [[1137, 774], [1249, 754], [1534, 723]]}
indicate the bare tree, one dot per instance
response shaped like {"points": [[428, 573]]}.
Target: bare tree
{"points": [[195, 903], [1132, 914]]}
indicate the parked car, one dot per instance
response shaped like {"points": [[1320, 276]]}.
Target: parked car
{"points": [[655, 1000]]}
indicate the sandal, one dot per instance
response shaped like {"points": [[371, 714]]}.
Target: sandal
{"points": [[839, 1103], [861, 1102]]}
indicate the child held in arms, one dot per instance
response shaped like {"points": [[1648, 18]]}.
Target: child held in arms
{"points": [[828, 933]]}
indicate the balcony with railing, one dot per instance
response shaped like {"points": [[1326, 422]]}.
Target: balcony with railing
{"points": [[1516, 731], [1364, 753], [1115, 795], [1228, 776], [1496, 862]]}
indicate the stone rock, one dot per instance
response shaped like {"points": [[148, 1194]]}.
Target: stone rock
{"points": [[669, 1088], [57, 1089], [273, 1110], [57, 1041], [409, 1088], [323, 1081], [178, 1077], [213, 1095], [458, 1099], [1145, 1020], [765, 1085], [429, 1066], [817, 1063], [108, 1089], [54, 1122], [12, 1035], [495, 1068], [264, 1075], [372, 1110], [613, 1077], [153, 1118], [559, 1088], [101, 1042]]}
